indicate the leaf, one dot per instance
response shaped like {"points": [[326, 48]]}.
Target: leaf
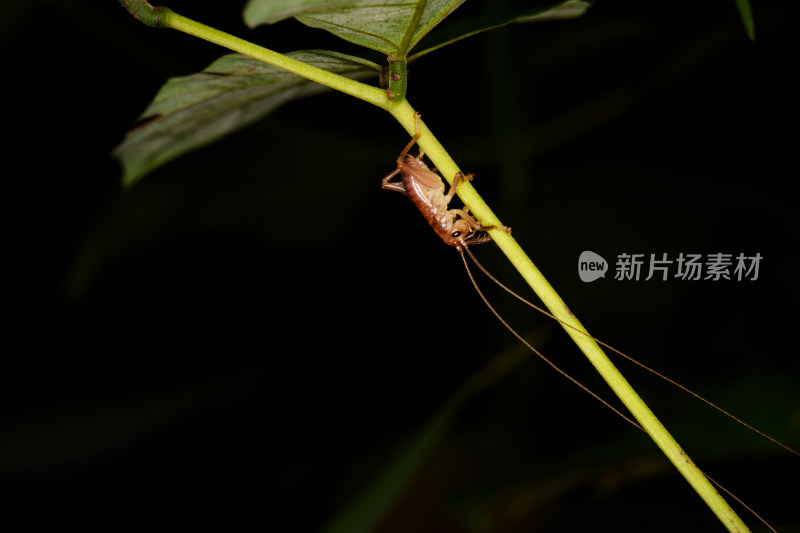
{"points": [[192, 111], [72, 431], [365, 512], [387, 26], [464, 28], [397, 474], [747, 18]]}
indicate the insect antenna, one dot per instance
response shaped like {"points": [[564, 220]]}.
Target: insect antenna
{"points": [[576, 382], [534, 350], [628, 357], [732, 495]]}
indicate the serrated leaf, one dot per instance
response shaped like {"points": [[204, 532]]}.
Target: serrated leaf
{"points": [[234, 91], [468, 27], [388, 26]]}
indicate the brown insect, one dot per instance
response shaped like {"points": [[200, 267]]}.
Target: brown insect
{"points": [[458, 228], [425, 188]]}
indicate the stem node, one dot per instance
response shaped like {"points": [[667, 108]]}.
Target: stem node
{"points": [[144, 12]]}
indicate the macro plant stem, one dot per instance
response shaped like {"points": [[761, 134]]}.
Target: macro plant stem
{"points": [[163, 17], [404, 113]]}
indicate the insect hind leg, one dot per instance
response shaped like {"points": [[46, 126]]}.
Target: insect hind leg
{"points": [[387, 184]]}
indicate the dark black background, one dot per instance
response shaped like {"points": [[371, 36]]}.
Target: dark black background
{"points": [[245, 337]]}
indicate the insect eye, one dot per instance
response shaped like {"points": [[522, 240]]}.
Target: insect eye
{"points": [[456, 233]]}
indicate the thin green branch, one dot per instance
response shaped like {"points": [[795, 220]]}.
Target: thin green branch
{"points": [[404, 113], [164, 17]]}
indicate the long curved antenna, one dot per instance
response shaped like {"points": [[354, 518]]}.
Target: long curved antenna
{"points": [[732, 495], [628, 357], [576, 382], [534, 350]]}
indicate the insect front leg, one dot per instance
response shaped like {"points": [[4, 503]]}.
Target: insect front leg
{"points": [[465, 216], [413, 141], [469, 219], [454, 186]]}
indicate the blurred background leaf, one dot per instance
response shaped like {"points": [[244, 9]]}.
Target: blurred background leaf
{"points": [[747, 18]]}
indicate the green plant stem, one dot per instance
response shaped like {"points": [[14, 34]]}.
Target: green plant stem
{"points": [[404, 113], [164, 17]]}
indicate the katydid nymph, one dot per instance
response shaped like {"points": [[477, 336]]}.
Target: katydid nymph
{"points": [[458, 228]]}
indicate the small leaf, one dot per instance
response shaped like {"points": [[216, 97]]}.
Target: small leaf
{"points": [[559, 11], [234, 91], [468, 27], [387, 26]]}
